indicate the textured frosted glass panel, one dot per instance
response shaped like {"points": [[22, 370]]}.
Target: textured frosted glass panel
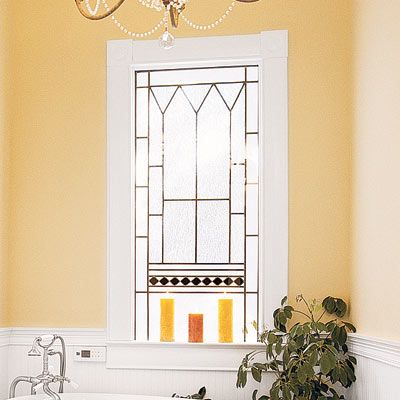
{"points": [[206, 304], [213, 231], [252, 73], [238, 180], [196, 94], [252, 210], [230, 92], [237, 238], [251, 315], [180, 150], [155, 239], [141, 162], [238, 130], [141, 316], [155, 134], [202, 269], [155, 190], [142, 116], [251, 263], [252, 107], [252, 158], [179, 231], [213, 148], [141, 212], [141, 264], [201, 75], [142, 79], [163, 95]]}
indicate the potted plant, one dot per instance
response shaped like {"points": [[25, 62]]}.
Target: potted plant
{"points": [[309, 359]]}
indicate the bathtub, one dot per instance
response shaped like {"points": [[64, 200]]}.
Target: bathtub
{"points": [[95, 396]]}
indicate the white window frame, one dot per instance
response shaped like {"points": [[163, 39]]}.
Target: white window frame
{"points": [[269, 50]]}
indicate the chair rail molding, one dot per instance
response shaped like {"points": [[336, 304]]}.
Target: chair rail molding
{"points": [[381, 350]]}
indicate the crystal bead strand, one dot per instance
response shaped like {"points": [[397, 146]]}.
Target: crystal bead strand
{"points": [[92, 11], [212, 25], [127, 31]]}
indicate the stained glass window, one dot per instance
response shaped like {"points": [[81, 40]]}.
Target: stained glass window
{"points": [[196, 198]]}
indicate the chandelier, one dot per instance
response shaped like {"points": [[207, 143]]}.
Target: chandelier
{"points": [[172, 11]]}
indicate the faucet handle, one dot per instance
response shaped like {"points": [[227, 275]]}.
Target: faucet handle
{"points": [[72, 383], [38, 387]]}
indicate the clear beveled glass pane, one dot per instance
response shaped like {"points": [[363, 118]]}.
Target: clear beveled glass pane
{"points": [[252, 107], [155, 190], [230, 92], [180, 149], [252, 209], [251, 263], [155, 134], [141, 316], [142, 117], [179, 231], [237, 238], [213, 158], [237, 188], [142, 79], [196, 94], [252, 73], [238, 130], [213, 231], [141, 264], [163, 95], [155, 239], [141, 211], [252, 158], [198, 75], [141, 162], [251, 315]]}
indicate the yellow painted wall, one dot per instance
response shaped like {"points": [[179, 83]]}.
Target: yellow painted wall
{"points": [[376, 243], [58, 193], [4, 91]]}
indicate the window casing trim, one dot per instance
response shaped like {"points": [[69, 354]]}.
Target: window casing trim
{"points": [[269, 50]]}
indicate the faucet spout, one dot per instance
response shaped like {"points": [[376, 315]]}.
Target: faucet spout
{"points": [[17, 380], [50, 393]]}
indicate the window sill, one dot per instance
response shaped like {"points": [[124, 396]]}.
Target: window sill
{"points": [[177, 356]]}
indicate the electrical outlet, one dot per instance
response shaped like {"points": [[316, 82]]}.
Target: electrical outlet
{"points": [[91, 354]]}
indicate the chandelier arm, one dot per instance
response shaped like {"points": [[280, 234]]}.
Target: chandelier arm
{"points": [[79, 4]]}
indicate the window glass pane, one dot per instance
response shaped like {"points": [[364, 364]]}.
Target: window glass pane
{"points": [[180, 150], [252, 107], [142, 112], [200, 75], [179, 231], [213, 148], [196, 190], [141, 212], [213, 231]]}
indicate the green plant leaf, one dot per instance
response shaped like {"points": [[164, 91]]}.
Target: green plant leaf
{"points": [[329, 304], [256, 373], [327, 362], [350, 327], [284, 300]]}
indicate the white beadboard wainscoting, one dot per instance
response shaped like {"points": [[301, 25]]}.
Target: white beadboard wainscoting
{"points": [[378, 369], [377, 373]]}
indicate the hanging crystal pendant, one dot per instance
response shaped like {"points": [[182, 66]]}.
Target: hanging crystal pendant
{"points": [[167, 41]]}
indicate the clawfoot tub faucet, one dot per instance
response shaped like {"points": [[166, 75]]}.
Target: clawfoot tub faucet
{"points": [[43, 380]]}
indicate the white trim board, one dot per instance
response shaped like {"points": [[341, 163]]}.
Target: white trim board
{"points": [[380, 350], [384, 351], [270, 51]]}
